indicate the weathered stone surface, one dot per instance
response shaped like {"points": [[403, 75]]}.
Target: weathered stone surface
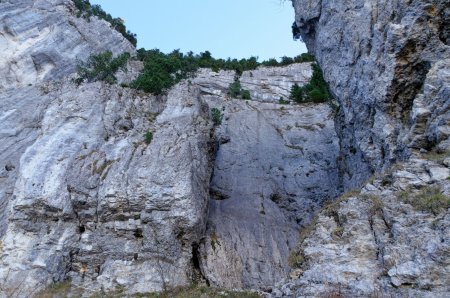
{"points": [[387, 64], [384, 61], [274, 168], [83, 196], [266, 84], [375, 243], [41, 40], [431, 114], [94, 202]]}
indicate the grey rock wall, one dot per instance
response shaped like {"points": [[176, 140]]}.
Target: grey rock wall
{"points": [[84, 197], [266, 84], [377, 56], [373, 242], [42, 40], [387, 65], [274, 169], [91, 200]]}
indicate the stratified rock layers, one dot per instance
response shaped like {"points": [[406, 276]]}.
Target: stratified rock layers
{"points": [[93, 201], [83, 194]]}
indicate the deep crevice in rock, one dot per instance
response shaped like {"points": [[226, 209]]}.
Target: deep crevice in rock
{"points": [[409, 77], [198, 275]]}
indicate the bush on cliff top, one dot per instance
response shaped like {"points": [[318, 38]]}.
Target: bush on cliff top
{"points": [[101, 67], [162, 71], [315, 91]]}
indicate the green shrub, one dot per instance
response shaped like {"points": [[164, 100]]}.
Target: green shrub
{"points": [[101, 67], [86, 10], [162, 71], [318, 95], [245, 94], [305, 57], [271, 62], [315, 91], [296, 260], [216, 116], [296, 93], [235, 90], [281, 101], [148, 137], [431, 199], [286, 61]]}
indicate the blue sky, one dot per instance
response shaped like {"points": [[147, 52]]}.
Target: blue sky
{"points": [[227, 28]]}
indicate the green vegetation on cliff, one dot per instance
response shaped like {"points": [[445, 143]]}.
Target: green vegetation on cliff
{"points": [[101, 67], [162, 71], [235, 90], [315, 91]]}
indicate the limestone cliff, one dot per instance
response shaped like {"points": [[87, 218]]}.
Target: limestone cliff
{"points": [[86, 197], [387, 64], [83, 196], [112, 188], [275, 167]]}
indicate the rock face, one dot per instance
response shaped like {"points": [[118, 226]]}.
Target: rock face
{"points": [[387, 65], [113, 188], [42, 40], [379, 57], [374, 242], [274, 168], [83, 195], [93, 201], [110, 187], [266, 84]]}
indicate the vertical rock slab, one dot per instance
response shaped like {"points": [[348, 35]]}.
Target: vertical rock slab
{"points": [[387, 64], [93, 201], [377, 56], [84, 193], [275, 167], [41, 41]]}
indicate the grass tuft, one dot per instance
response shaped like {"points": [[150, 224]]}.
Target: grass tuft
{"points": [[429, 199]]}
